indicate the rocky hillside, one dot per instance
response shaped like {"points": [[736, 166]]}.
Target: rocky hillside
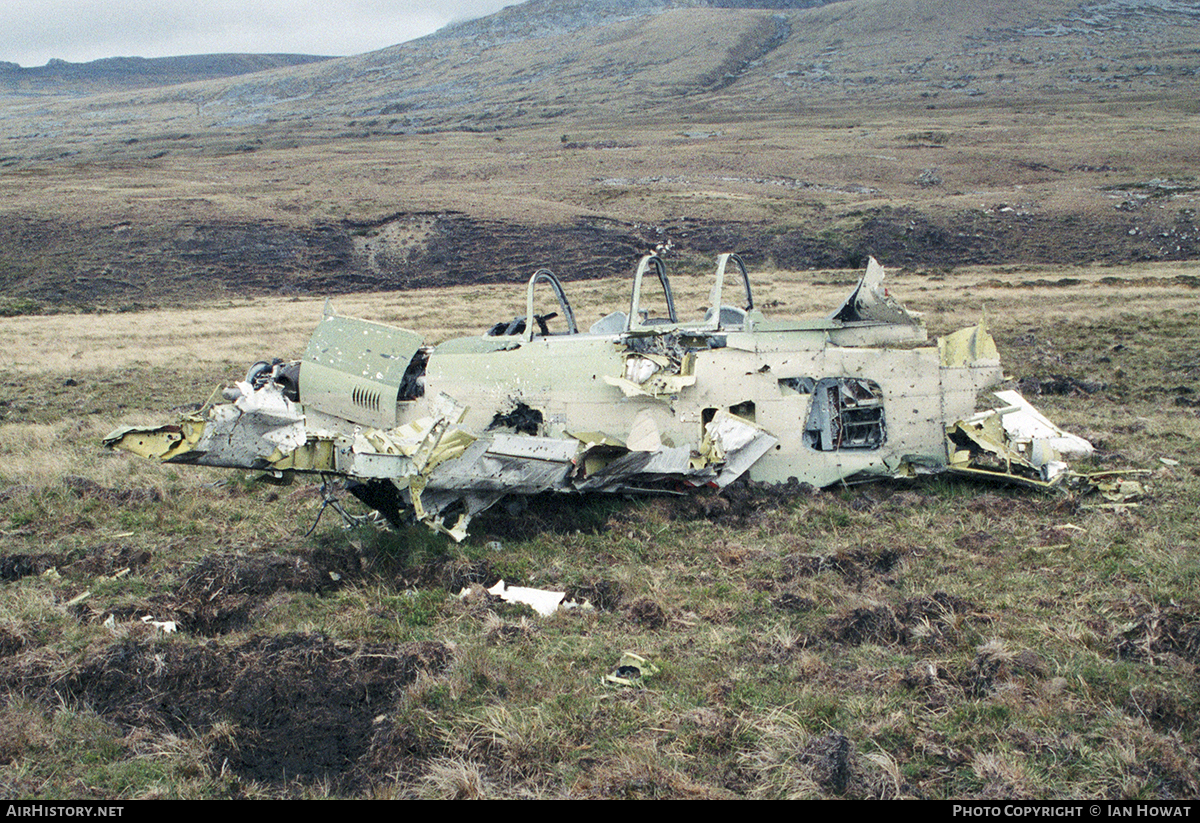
{"points": [[548, 58], [536, 19]]}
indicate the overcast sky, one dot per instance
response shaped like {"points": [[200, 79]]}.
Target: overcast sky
{"points": [[33, 31]]}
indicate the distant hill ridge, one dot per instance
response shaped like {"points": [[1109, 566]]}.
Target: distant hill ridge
{"points": [[561, 60], [577, 55], [564, 58], [129, 73]]}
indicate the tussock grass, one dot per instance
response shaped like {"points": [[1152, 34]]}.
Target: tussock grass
{"points": [[456, 779]]}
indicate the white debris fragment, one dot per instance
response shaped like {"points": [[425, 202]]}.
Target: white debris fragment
{"points": [[1023, 422], [541, 601], [167, 626]]}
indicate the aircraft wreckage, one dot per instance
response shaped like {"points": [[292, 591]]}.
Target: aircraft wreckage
{"points": [[634, 404]]}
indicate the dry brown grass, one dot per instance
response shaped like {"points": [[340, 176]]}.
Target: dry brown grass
{"points": [[244, 330], [747, 172]]}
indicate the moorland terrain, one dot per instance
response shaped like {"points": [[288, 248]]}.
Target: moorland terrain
{"points": [[929, 134], [936, 639]]}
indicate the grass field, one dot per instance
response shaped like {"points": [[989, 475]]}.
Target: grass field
{"points": [[933, 639], [936, 639]]}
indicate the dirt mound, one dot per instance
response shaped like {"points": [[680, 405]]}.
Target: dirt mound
{"points": [[298, 705], [791, 602], [554, 513], [1164, 711], [605, 595], [642, 782], [10, 642], [219, 595], [832, 759], [108, 559], [993, 669], [223, 592], [647, 613], [928, 620], [447, 573], [741, 502], [104, 559], [877, 625], [1157, 631], [83, 487], [16, 566], [853, 565], [1059, 384], [975, 541]]}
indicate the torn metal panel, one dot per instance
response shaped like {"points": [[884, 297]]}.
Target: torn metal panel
{"points": [[870, 302], [508, 464], [968, 347], [631, 669], [260, 425], [1014, 443], [1118, 487], [733, 445], [161, 443], [354, 369], [636, 404], [1026, 424]]}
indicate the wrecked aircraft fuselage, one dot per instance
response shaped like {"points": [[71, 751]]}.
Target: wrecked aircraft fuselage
{"points": [[633, 404]]}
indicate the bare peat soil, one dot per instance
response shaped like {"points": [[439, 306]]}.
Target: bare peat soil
{"points": [[57, 264]]}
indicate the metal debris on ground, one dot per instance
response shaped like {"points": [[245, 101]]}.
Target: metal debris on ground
{"points": [[637, 403], [631, 670], [542, 601]]}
